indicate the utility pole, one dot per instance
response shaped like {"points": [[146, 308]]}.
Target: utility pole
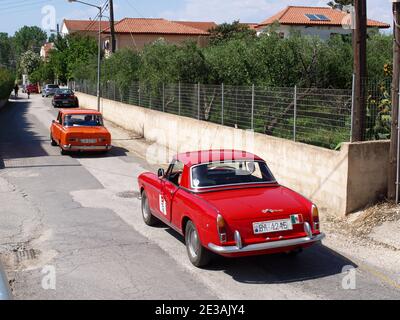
{"points": [[393, 174], [112, 29], [360, 69]]}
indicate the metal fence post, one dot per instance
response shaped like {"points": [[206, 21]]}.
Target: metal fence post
{"points": [[140, 95], [198, 101], [179, 98], [222, 103], [252, 107], [163, 97], [294, 113]]}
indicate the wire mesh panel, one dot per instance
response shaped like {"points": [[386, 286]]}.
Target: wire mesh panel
{"points": [[210, 103], [320, 117], [323, 116], [274, 111], [238, 107], [379, 109]]}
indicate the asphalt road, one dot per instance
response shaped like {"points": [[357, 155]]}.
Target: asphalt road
{"points": [[71, 228]]}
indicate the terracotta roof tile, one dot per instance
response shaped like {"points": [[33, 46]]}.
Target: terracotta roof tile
{"points": [[205, 26], [155, 26], [85, 25], [296, 15]]}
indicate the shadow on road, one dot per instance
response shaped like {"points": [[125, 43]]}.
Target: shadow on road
{"points": [[18, 138], [113, 153], [315, 262]]}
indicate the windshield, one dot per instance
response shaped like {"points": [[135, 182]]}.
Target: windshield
{"points": [[80, 120], [64, 91], [230, 173]]}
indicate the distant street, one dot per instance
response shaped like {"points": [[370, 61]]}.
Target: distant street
{"points": [[80, 216]]}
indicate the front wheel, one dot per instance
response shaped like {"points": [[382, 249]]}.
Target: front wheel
{"points": [[148, 217], [198, 255], [53, 142]]}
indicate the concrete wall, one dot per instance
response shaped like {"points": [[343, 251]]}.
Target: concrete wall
{"points": [[338, 181]]}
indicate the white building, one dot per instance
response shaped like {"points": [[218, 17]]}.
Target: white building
{"points": [[315, 21]]}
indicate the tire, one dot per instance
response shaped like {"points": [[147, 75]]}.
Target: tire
{"points": [[198, 255], [63, 152], [148, 217], [53, 142]]}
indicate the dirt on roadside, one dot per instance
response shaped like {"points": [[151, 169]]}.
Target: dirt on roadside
{"points": [[361, 224]]}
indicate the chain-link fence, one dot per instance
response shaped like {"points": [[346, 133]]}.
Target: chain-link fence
{"points": [[319, 117]]}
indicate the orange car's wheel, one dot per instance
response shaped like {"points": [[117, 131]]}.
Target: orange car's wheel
{"points": [[63, 152], [198, 255], [53, 142]]}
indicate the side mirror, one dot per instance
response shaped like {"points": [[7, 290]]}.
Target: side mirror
{"points": [[161, 173]]}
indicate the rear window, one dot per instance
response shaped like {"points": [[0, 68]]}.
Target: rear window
{"points": [[64, 91], [52, 86], [83, 120], [230, 173]]}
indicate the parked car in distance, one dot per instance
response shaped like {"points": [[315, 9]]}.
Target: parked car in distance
{"points": [[228, 202], [49, 90], [80, 130], [32, 88], [65, 98]]}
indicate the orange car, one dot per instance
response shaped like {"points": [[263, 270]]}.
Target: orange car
{"points": [[80, 130]]}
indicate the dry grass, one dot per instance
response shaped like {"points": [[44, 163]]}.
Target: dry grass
{"points": [[361, 224]]}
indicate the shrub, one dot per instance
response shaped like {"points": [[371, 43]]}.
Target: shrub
{"points": [[7, 80]]}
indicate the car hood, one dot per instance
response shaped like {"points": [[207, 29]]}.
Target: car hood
{"points": [[250, 202]]}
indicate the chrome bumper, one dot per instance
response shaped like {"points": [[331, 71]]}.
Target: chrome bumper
{"points": [[266, 245], [5, 293], [86, 148]]}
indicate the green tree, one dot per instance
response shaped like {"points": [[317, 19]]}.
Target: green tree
{"points": [[340, 4], [70, 53], [6, 50], [229, 31], [29, 38]]}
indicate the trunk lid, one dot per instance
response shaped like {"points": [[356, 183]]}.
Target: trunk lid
{"points": [[241, 208]]}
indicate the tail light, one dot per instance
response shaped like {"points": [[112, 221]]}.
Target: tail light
{"points": [[315, 216], [221, 227]]}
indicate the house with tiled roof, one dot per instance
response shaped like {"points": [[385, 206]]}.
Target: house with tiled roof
{"points": [[137, 32], [314, 21]]}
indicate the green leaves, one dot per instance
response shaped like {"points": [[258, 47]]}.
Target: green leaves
{"points": [[7, 80]]}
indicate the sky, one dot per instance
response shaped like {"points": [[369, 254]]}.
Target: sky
{"points": [[14, 14]]}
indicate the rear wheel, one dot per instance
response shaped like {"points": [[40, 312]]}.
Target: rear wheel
{"points": [[148, 218], [198, 255]]}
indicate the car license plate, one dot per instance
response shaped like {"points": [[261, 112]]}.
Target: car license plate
{"points": [[65, 102], [272, 226], [88, 140]]}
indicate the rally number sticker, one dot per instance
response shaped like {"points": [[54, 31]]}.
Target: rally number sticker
{"points": [[163, 205]]}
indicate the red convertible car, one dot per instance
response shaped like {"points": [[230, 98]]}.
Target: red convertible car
{"points": [[228, 202]]}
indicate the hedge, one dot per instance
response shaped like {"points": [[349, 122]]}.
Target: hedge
{"points": [[7, 80]]}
